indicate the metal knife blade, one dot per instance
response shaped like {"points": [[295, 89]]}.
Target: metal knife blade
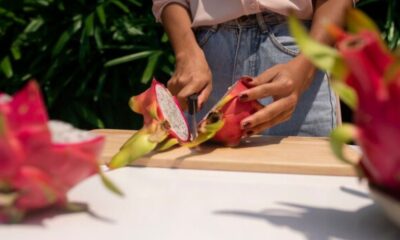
{"points": [[192, 107]]}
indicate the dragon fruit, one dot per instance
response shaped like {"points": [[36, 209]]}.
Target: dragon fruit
{"points": [[230, 111], [40, 160], [367, 76], [166, 126]]}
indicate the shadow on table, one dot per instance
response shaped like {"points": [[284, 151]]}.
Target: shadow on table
{"points": [[316, 223], [37, 218]]}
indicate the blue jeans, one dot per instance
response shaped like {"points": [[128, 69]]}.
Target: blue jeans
{"points": [[249, 46]]}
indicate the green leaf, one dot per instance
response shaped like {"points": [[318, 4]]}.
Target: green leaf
{"points": [[365, 2], [101, 14], [6, 67], [109, 184], [346, 93], [128, 58], [100, 85], [16, 52], [357, 21], [164, 38], [89, 116], [122, 6], [66, 37], [34, 25], [339, 137], [89, 25], [324, 57], [84, 50], [135, 2], [151, 65], [8, 14], [98, 39]]}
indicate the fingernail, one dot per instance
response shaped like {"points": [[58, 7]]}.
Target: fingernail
{"points": [[246, 125], [249, 133], [248, 80], [243, 97]]}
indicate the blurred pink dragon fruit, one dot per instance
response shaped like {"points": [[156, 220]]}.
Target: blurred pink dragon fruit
{"points": [[366, 77], [40, 160]]}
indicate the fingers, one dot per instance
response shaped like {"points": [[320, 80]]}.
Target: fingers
{"points": [[183, 87], [265, 77], [192, 87], [270, 115], [204, 94], [283, 117], [280, 86]]}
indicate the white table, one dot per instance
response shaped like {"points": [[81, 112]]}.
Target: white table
{"points": [[194, 204]]}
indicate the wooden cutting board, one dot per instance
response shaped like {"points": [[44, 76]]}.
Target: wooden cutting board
{"points": [[298, 155]]}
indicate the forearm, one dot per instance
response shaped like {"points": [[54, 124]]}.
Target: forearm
{"points": [[326, 12], [177, 24]]}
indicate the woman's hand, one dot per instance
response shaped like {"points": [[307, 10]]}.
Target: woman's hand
{"points": [[285, 84], [192, 75]]}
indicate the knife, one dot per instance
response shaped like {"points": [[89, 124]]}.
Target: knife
{"points": [[192, 106]]}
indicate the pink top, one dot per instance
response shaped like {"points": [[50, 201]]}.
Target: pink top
{"points": [[210, 12]]}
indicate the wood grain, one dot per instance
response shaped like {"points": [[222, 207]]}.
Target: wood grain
{"points": [[297, 155]]}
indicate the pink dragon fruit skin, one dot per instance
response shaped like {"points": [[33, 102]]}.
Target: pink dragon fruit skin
{"points": [[37, 189], [11, 154], [234, 111], [68, 164], [25, 109], [377, 116], [35, 166]]}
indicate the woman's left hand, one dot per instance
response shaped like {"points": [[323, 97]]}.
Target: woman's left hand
{"points": [[284, 83]]}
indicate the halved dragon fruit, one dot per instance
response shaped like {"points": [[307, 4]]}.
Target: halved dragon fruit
{"points": [[40, 160], [166, 126], [367, 77]]}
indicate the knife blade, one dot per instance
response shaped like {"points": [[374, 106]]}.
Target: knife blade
{"points": [[192, 109]]}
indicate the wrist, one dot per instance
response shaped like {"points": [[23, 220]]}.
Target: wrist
{"points": [[306, 71], [189, 52]]}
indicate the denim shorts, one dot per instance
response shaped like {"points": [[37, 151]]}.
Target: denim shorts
{"points": [[249, 46]]}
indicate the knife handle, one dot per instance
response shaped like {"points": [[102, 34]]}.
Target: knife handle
{"points": [[192, 103]]}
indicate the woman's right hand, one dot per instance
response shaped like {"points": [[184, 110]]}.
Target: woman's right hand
{"points": [[192, 75]]}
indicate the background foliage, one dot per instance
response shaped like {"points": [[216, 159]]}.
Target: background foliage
{"points": [[90, 56]]}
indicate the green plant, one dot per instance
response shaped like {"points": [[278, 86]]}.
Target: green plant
{"points": [[385, 14], [89, 56]]}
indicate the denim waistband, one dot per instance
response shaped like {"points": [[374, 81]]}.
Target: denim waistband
{"points": [[260, 19]]}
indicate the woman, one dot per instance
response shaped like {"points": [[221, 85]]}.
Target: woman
{"points": [[218, 41]]}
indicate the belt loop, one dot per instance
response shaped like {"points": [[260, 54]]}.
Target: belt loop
{"points": [[214, 27], [261, 22], [237, 22]]}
